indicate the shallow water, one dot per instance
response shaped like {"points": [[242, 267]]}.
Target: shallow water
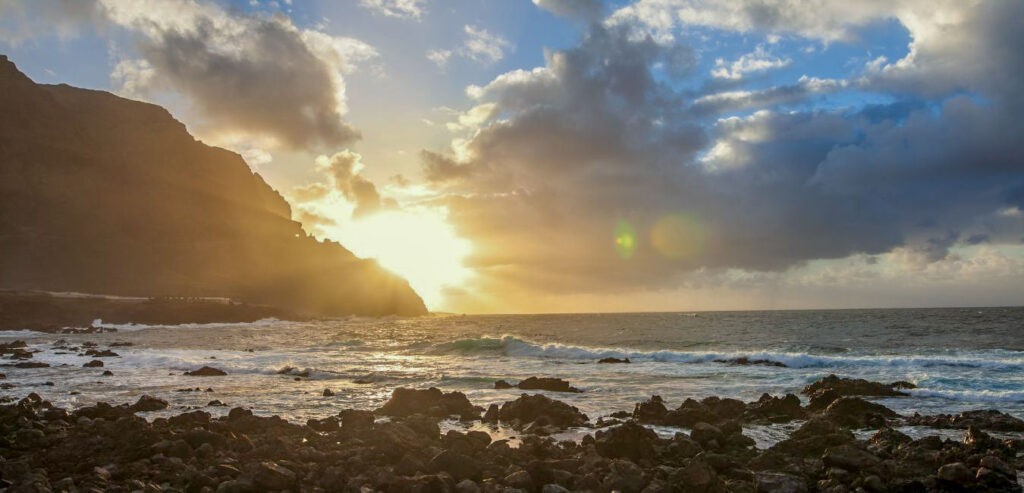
{"points": [[960, 359]]}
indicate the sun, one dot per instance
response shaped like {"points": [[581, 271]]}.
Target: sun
{"points": [[417, 244]]}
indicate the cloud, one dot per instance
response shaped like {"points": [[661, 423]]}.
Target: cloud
{"points": [[342, 170], [479, 45], [586, 10], [604, 135], [757, 61], [402, 9]]}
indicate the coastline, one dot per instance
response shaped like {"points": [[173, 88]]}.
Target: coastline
{"points": [[842, 442]]}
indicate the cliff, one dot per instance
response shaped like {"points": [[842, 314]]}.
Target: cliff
{"points": [[102, 194]]}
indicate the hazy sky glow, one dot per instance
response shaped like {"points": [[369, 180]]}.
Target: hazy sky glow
{"points": [[574, 155]]}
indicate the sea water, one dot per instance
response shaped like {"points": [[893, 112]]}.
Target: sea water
{"points": [[959, 359]]}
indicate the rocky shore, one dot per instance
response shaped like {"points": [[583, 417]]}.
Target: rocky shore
{"points": [[400, 447]]}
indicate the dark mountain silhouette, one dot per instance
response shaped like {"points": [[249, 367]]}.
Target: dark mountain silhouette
{"points": [[106, 195]]}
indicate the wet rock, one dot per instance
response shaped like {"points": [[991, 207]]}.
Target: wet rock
{"points": [[855, 412], [216, 403], [986, 419], [272, 476], [629, 440], [148, 403], [459, 466], [612, 360], [849, 457], [956, 473], [979, 440], [624, 476], [689, 413], [776, 409], [697, 476], [774, 482], [93, 364], [820, 400], [101, 353], [543, 409], [705, 433], [108, 373], [889, 438], [31, 364], [356, 420], [520, 480], [813, 438], [432, 402], [327, 393], [549, 384], [502, 385], [855, 386], [553, 488], [206, 371], [652, 410], [745, 361], [467, 486], [492, 413]]}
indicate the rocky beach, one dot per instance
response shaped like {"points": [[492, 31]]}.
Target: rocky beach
{"points": [[840, 443]]}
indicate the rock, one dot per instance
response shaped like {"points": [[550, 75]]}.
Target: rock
{"points": [[957, 473], [813, 438], [629, 440], [553, 488], [874, 483], [467, 486], [549, 384], [519, 479], [854, 386], [855, 412], [148, 403], [821, 399], [776, 409], [849, 458], [216, 403], [979, 440], [31, 364], [327, 393], [652, 410], [491, 416], [889, 438], [206, 371], [624, 476], [501, 385], [271, 476], [612, 360], [101, 353], [689, 413], [773, 482], [704, 433], [432, 402], [108, 373], [356, 420], [697, 476], [745, 361], [538, 407], [986, 419], [460, 466], [93, 364]]}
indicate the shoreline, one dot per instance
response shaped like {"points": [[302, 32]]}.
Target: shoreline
{"points": [[400, 446]]}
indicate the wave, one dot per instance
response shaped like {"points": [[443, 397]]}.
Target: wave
{"points": [[971, 395], [515, 347], [129, 327]]}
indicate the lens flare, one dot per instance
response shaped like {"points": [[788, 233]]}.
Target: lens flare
{"points": [[678, 236], [625, 240]]}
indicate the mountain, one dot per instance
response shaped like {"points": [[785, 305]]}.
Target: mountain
{"points": [[103, 194]]}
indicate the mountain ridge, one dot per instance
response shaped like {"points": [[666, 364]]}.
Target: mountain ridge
{"points": [[104, 194]]}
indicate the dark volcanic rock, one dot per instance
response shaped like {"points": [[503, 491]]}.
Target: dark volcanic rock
{"points": [[148, 403], [986, 419], [629, 440], [549, 384], [93, 364], [745, 361], [541, 409], [432, 402], [855, 386], [611, 360], [650, 411], [776, 409], [206, 371], [858, 413], [501, 385]]}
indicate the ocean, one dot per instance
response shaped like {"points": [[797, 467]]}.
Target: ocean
{"points": [[959, 358]]}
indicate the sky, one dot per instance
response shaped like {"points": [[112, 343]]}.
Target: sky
{"points": [[582, 156]]}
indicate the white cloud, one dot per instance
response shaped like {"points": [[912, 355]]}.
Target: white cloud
{"points": [[440, 57], [402, 9], [757, 61], [479, 45]]}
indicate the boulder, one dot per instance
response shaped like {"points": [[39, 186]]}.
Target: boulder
{"points": [[745, 361], [537, 407], [704, 433], [849, 458], [206, 371], [629, 440], [612, 360], [549, 384], [93, 364], [855, 386], [986, 419], [652, 410], [774, 482], [432, 402], [148, 403], [502, 385], [776, 409], [855, 412], [459, 466]]}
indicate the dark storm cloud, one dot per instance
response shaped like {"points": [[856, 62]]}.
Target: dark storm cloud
{"points": [[597, 137]]}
